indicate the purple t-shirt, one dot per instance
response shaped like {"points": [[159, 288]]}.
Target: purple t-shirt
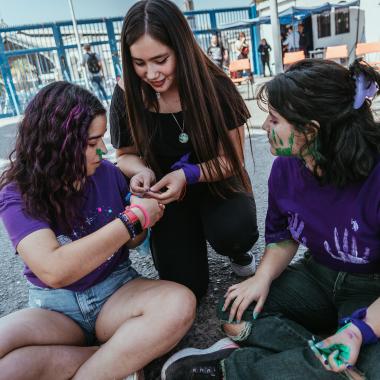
{"points": [[341, 227], [103, 200]]}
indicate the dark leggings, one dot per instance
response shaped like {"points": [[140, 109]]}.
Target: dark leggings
{"points": [[265, 62], [179, 238]]}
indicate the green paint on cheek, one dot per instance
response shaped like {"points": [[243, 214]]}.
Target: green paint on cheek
{"points": [[283, 151], [274, 136], [99, 153], [289, 150]]}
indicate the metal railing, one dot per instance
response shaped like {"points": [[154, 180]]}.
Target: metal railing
{"points": [[31, 56]]}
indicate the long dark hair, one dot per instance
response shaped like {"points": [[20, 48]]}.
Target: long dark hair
{"points": [[201, 85], [48, 164], [346, 145]]}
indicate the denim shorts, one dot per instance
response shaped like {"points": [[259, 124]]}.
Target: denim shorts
{"points": [[83, 307]]}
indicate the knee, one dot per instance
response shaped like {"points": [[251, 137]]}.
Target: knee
{"points": [[234, 242], [180, 306], [8, 343]]}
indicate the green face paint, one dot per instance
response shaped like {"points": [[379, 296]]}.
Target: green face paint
{"points": [[99, 153], [274, 136], [288, 151]]}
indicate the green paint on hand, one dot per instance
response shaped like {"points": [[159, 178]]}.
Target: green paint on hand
{"points": [[342, 353]]}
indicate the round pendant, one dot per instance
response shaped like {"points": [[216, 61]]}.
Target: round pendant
{"points": [[183, 138]]}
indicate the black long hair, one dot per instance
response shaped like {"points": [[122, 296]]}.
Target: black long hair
{"points": [[48, 164], [346, 144], [201, 87]]}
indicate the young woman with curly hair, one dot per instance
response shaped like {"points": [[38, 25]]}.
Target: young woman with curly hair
{"points": [[90, 315]]}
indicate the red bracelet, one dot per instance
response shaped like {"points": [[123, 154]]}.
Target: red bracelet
{"points": [[145, 213]]}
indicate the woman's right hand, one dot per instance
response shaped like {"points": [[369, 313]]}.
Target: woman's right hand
{"points": [[243, 294], [141, 182], [154, 210]]}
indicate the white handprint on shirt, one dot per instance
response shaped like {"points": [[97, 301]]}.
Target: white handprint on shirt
{"points": [[296, 228], [347, 253]]}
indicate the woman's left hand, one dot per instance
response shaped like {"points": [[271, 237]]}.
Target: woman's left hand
{"points": [[169, 188], [341, 350]]}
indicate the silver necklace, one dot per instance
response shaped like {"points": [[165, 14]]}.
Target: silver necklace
{"points": [[183, 136]]}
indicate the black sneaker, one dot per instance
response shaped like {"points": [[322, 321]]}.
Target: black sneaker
{"points": [[244, 265], [196, 364]]}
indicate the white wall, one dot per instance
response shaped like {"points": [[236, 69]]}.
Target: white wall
{"points": [[349, 39], [369, 29]]}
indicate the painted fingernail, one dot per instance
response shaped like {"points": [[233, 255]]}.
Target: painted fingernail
{"points": [[223, 308], [255, 315], [230, 319], [319, 344]]}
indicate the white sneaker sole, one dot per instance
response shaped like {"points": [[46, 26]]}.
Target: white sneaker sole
{"points": [[219, 345], [244, 270]]}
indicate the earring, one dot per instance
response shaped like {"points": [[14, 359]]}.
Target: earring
{"points": [[158, 95]]}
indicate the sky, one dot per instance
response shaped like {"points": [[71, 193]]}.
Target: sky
{"points": [[18, 12]]}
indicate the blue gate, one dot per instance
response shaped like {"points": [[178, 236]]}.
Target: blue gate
{"points": [[32, 56]]}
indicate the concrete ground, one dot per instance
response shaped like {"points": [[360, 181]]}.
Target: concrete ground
{"points": [[13, 290]]}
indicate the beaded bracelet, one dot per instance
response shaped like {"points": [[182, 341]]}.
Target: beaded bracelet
{"points": [[357, 319]]}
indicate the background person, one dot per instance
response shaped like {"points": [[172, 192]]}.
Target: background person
{"points": [[178, 126], [241, 46], [264, 50], [304, 41], [93, 63], [90, 314], [292, 40], [216, 51]]}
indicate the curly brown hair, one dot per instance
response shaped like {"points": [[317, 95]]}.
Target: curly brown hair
{"points": [[48, 164]]}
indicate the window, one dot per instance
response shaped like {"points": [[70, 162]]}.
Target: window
{"points": [[342, 21], [324, 27]]}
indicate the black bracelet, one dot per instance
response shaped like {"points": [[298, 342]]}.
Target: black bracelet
{"points": [[128, 225]]}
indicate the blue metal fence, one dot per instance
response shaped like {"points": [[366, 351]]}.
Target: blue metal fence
{"points": [[32, 56]]}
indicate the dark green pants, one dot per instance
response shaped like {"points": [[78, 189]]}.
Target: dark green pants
{"points": [[306, 300]]}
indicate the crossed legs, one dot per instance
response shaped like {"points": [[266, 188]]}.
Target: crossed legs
{"points": [[139, 322]]}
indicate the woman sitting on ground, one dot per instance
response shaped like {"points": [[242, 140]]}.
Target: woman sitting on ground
{"points": [[323, 195], [90, 315]]}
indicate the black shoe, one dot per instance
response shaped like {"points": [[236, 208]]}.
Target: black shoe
{"points": [[196, 364], [244, 265]]}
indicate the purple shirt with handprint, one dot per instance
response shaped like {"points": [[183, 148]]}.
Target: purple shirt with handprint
{"points": [[340, 226]]}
